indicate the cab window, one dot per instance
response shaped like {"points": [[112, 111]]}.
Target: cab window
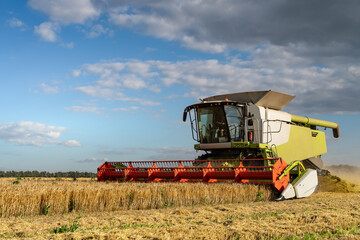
{"points": [[235, 119], [212, 125]]}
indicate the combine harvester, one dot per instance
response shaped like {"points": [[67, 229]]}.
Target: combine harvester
{"points": [[245, 139]]}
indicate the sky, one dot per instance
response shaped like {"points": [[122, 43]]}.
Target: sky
{"points": [[88, 81]]}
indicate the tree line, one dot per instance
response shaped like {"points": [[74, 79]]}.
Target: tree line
{"points": [[45, 174]]}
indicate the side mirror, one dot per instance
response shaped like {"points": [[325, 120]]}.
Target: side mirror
{"points": [[184, 116]]}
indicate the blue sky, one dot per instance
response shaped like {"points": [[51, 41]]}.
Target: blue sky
{"points": [[92, 80]]}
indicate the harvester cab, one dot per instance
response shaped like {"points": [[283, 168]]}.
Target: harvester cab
{"points": [[244, 138]]}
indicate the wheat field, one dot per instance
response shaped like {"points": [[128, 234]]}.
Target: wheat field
{"points": [[63, 209], [38, 197], [321, 216]]}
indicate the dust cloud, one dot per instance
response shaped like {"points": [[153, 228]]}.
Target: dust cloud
{"points": [[346, 172]]}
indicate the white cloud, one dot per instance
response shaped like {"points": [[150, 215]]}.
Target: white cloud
{"points": [[267, 67], [150, 24], [131, 81], [76, 73], [355, 70], [14, 22], [49, 89], [98, 30], [84, 109], [217, 26], [125, 81], [100, 92], [125, 109], [33, 133], [94, 160], [71, 143], [169, 28], [154, 88], [117, 77], [113, 94], [145, 102], [204, 46], [66, 11], [47, 31]]}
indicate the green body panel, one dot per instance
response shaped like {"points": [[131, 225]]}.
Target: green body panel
{"points": [[243, 145], [264, 149], [248, 145], [303, 143]]}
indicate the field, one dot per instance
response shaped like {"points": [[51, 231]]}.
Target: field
{"points": [[85, 209]]}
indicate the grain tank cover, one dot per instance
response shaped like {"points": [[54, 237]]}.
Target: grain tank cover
{"points": [[269, 99]]}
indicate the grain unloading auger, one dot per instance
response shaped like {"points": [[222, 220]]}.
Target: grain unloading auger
{"points": [[245, 139]]}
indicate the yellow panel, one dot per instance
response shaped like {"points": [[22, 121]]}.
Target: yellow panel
{"points": [[303, 143], [319, 142]]}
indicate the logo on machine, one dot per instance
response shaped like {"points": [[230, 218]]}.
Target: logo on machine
{"points": [[314, 134]]}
